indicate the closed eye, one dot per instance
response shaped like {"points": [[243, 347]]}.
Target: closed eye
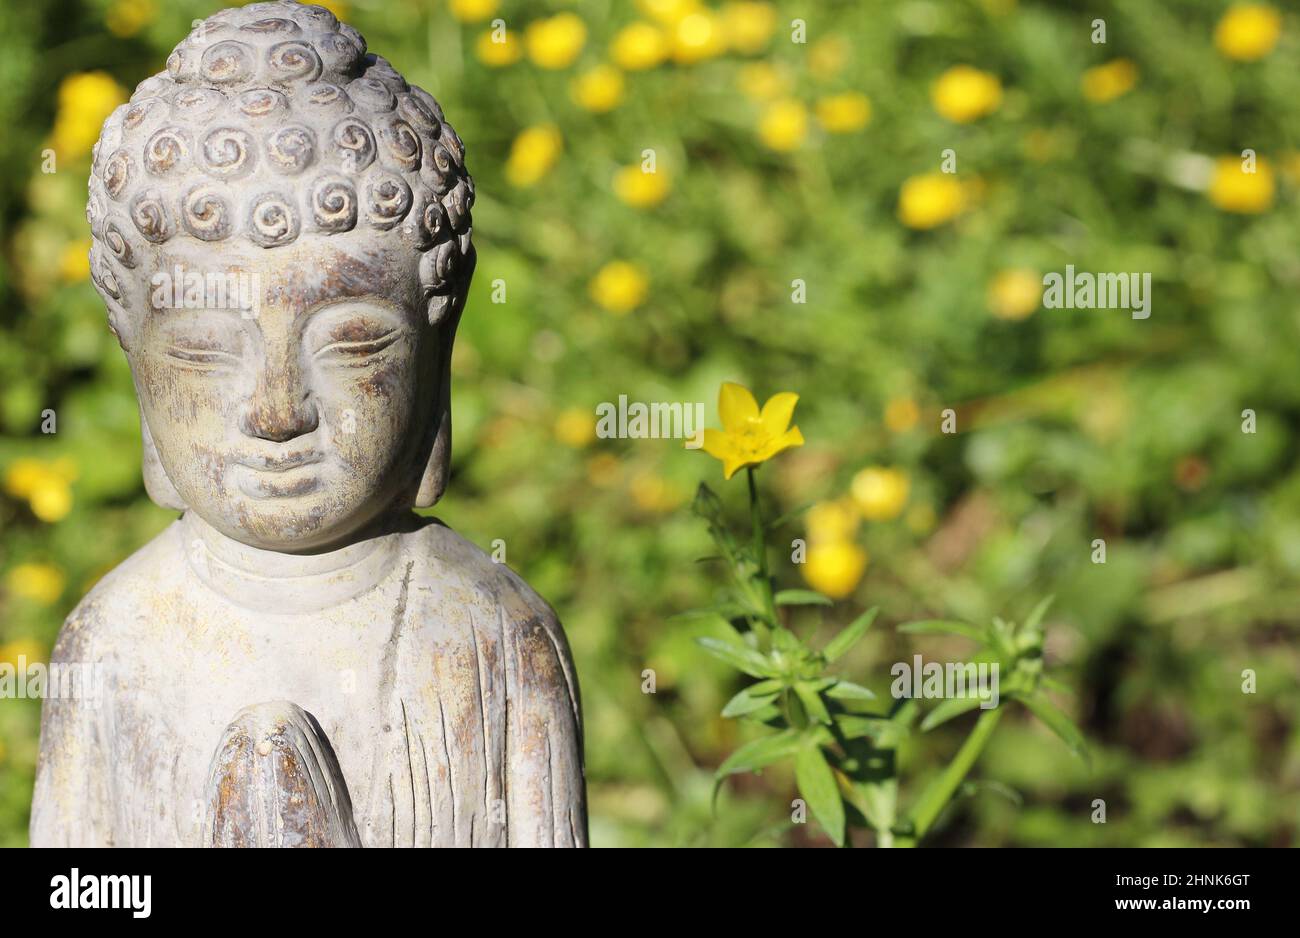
{"points": [[201, 356], [364, 348]]}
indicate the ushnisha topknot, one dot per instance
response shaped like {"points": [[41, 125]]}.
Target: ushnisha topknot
{"points": [[272, 121]]}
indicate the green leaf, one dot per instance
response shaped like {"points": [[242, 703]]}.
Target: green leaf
{"points": [[877, 801], [971, 788], [943, 627], [751, 699], [904, 713], [847, 690], [738, 656], [1058, 723], [946, 710], [839, 646], [761, 752], [812, 702], [802, 598], [879, 730], [1036, 616], [786, 640], [765, 714], [1057, 687], [817, 786]]}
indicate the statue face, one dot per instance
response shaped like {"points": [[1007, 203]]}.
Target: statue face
{"points": [[293, 422]]}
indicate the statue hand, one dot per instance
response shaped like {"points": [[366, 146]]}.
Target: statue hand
{"points": [[275, 782]]}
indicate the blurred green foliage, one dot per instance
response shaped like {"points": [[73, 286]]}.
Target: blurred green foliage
{"points": [[1072, 425]]}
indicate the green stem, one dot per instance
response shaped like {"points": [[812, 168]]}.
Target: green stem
{"points": [[760, 548], [941, 790]]}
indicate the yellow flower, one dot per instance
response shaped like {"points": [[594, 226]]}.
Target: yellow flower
{"points": [[1234, 190], [1107, 82], [844, 113], [832, 521], [697, 37], [784, 125], [901, 414], [51, 501], [749, 25], [27, 648], [498, 54], [761, 81], [638, 46], [619, 287], [1015, 294], [669, 12], [23, 475], [533, 154], [85, 100], [471, 11], [834, 568], [1248, 31], [555, 42], [640, 189], [74, 262], [125, 18], [575, 427], [40, 582], [599, 89], [827, 57], [880, 493], [964, 94], [929, 200], [750, 436], [45, 485]]}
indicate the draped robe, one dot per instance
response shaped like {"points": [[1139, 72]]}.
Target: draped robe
{"points": [[442, 682]]}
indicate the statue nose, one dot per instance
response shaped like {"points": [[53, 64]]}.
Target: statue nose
{"points": [[280, 410], [280, 426]]}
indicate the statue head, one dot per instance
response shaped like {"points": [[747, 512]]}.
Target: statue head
{"points": [[281, 234]]}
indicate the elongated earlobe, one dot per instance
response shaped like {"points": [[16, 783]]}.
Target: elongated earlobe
{"points": [[434, 481], [444, 315], [156, 482]]}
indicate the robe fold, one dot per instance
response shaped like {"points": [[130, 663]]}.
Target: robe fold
{"points": [[442, 682]]}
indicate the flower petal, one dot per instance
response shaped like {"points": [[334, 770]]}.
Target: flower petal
{"points": [[736, 405], [717, 444], [732, 464], [777, 412], [780, 444]]}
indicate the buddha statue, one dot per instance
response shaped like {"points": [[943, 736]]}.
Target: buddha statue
{"points": [[281, 235]]}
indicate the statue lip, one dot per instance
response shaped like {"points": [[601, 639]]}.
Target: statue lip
{"points": [[281, 463], [267, 488]]}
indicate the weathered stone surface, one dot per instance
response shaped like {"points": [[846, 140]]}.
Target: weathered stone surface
{"points": [[275, 782], [295, 406]]}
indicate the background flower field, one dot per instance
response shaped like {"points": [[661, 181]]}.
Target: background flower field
{"points": [[793, 170]]}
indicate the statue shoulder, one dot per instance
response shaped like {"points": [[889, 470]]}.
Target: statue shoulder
{"points": [[459, 576], [454, 564], [117, 599]]}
